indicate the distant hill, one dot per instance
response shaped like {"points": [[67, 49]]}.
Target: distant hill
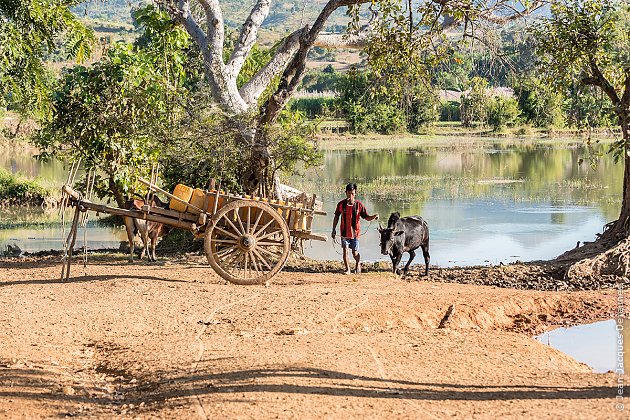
{"points": [[284, 16]]}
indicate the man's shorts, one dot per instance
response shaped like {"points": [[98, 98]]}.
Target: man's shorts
{"points": [[353, 244]]}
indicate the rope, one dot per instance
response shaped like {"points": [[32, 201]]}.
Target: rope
{"points": [[361, 233]]}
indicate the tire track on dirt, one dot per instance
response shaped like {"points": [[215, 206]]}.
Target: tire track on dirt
{"points": [[199, 406]]}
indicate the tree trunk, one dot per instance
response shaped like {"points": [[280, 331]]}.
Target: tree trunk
{"points": [[118, 195], [621, 229]]}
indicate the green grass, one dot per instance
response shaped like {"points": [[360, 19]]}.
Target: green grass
{"points": [[16, 190]]}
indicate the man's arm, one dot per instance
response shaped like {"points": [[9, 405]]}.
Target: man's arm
{"points": [[369, 217], [334, 229]]}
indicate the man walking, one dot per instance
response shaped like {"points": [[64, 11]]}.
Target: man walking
{"points": [[351, 211]]}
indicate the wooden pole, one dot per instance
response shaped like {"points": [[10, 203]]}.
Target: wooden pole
{"points": [[136, 214], [70, 241], [168, 194]]}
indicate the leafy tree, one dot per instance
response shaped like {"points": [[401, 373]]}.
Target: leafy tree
{"points": [[30, 30], [540, 103], [202, 145], [205, 22], [321, 80], [111, 114], [586, 43], [370, 103], [474, 104], [453, 73], [502, 112], [588, 106], [314, 107]]}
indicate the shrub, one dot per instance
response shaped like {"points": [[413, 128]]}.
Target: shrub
{"points": [[502, 112], [539, 103], [474, 104], [18, 191], [313, 107], [386, 119], [450, 111]]}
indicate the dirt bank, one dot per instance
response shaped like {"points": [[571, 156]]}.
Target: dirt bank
{"points": [[173, 340]]}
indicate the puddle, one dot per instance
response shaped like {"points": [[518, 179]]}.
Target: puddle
{"points": [[594, 344]]}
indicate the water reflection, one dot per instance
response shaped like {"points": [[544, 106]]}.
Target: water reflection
{"points": [[489, 203], [492, 203], [593, 344], [33, 230]]}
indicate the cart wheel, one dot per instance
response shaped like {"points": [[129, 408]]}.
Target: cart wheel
{"points": [[247, 242]]}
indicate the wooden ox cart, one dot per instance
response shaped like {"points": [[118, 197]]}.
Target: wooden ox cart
{"points": [[247, 239]]}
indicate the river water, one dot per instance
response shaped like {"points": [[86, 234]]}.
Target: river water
{"points": [[486, 201]]}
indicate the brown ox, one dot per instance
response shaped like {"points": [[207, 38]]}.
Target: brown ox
{"points": [[149, 231]]}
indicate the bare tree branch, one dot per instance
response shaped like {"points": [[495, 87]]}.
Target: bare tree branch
{"points": [[248, 35], [182, 14], [216, 30], [252, 90], [294, 71]]}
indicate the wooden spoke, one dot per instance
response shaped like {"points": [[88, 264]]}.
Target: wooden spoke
{"points": [[230, 257], [260, 213], [269, 252], [254, 263], [235, 261], [225, 251], [261, 258], [238, 232], [226, 241], [262, 229], [225, 232], [269, 243], [246, 260], [249, 217], [265, 236], [247, 242], [240, 222]]}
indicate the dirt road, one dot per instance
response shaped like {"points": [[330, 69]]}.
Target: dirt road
{"points": [[176, 341]]}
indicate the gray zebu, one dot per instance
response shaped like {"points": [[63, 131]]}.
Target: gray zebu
{"points": [[405, 234]]}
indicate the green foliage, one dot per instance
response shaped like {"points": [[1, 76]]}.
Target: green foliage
{"points": [[453, 73], [29, 30], [109, 114], [201, 146], [167, 44], [587, 106], [587, 43], [205, 145], [293, 144], [502, 112], [474, 104], [386, 119], [423, 109], [19, 191], [579, 31], [450, 111], [540, 103], [313, 107], [369, 105], [321, 80]]}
